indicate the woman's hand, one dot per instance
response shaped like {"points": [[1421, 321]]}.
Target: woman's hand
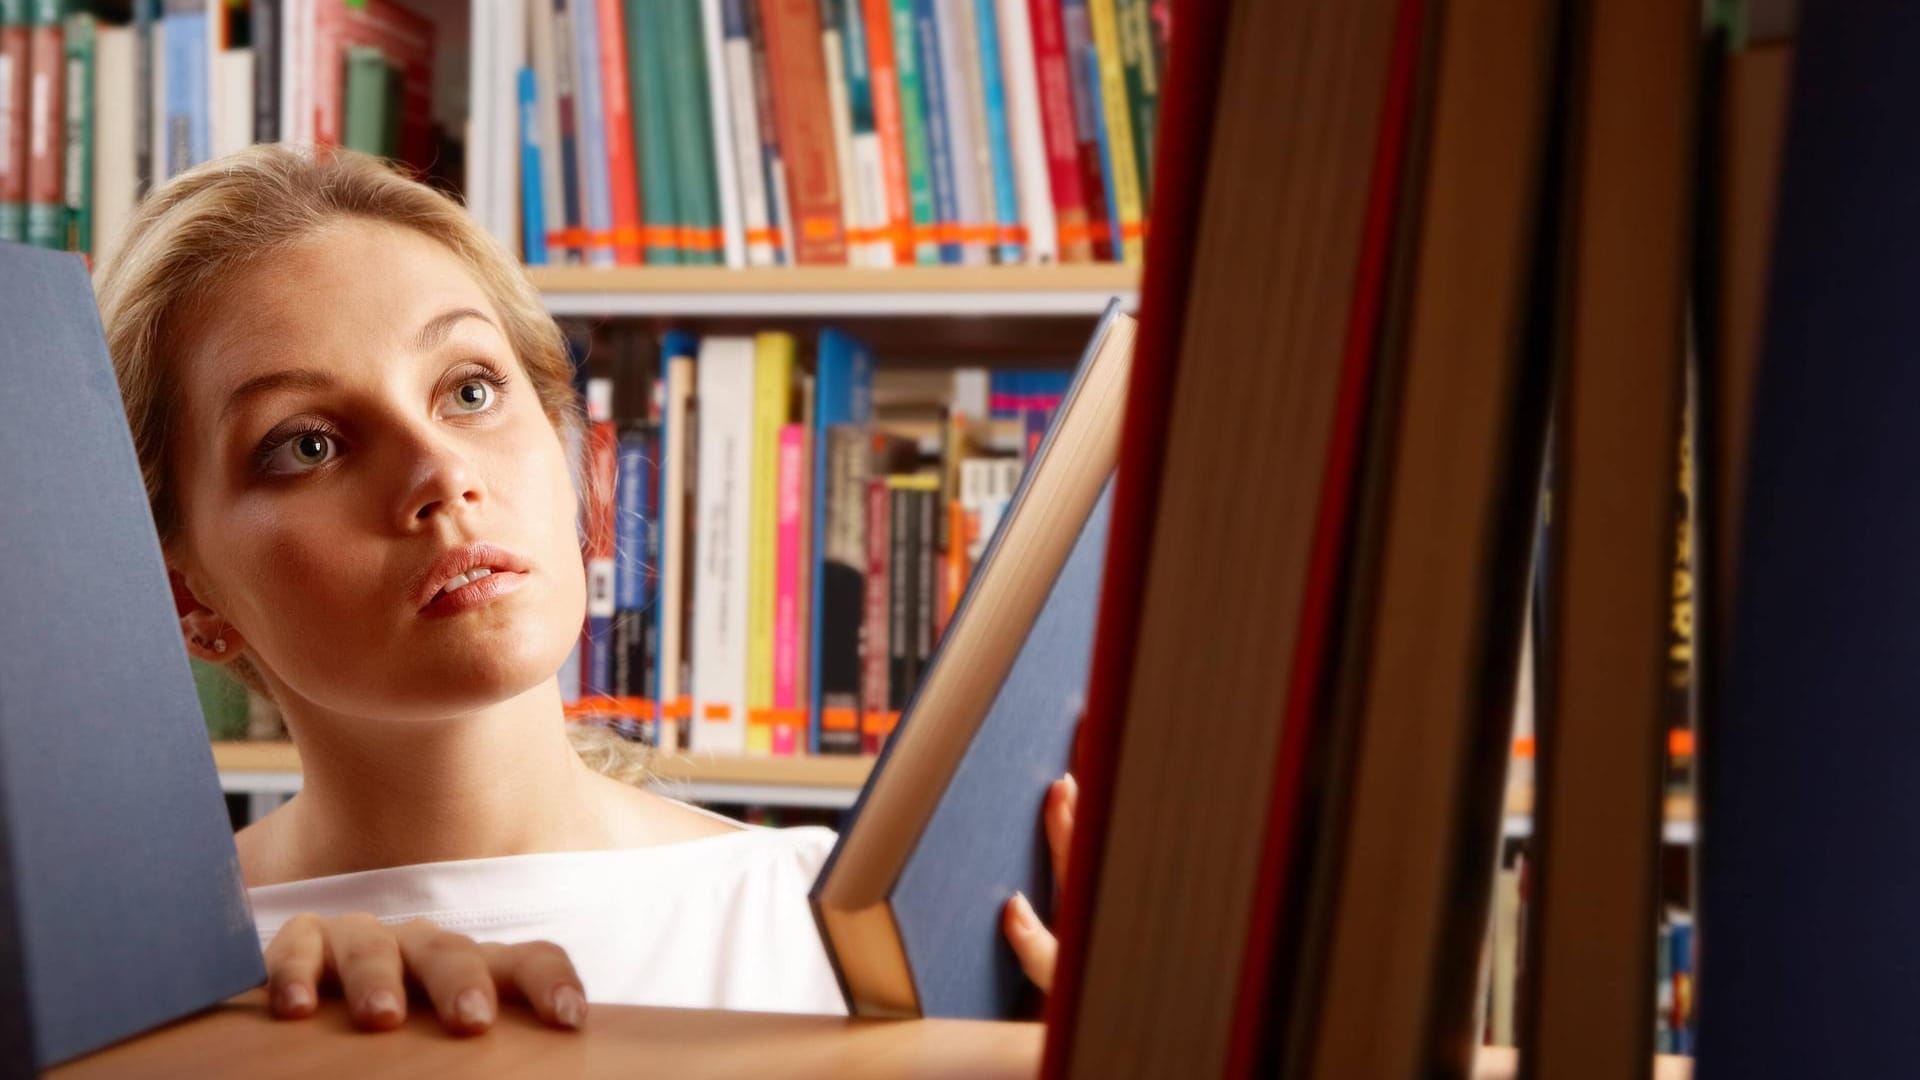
{"points": [[371, 964], [1033, 944]]}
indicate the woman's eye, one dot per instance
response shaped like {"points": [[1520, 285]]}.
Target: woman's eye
{"points": [[473, 396], [304, 452]]}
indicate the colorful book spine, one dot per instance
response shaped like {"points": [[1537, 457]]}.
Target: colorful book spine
{"points": [[1122, 159], [801, 110], [533, 219], [789, 579], [702, 239], [729, 197], [15, 82], [722, 492], [602, 450], [941, 165], [915, 133], [407, 38], [647, 46], [367, 130], [876, 649], [675, 529], [883, 77], [833, 61], [843, 405], [1096, 94], [545, 125], [596, 197], [633, 578], [568, 241], [772, 163], [623, 174], [1077, 28], [966, 129], [1028, 135], [79, 131], [1010, 237], [46, 116], [869, 184], [1143, 88], [772, 406], [756, 213]]}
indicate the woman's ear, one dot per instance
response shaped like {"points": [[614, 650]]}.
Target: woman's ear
{"points": [[208, 636]]}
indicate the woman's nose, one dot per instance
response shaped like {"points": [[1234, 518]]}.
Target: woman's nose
{"points": [[441, 481]]}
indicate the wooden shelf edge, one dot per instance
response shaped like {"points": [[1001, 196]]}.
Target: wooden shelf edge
{"points": [[821, 771], [833, 279]]}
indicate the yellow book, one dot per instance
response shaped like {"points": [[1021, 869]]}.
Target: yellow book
{"points": [[1131, 243], [773, 355]]}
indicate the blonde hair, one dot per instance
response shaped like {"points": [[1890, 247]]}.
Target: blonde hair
{"points": [[189, 238]]}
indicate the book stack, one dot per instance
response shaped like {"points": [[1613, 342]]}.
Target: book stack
{"points": [[778, 533], [94, 112], [846, 132]]}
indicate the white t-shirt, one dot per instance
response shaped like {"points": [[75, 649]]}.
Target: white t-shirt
{"points": [[720, 922]]}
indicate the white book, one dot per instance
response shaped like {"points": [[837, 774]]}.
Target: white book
{"points": [[480, 123], [733, 226], [296, 71], [673, 549], [510, 27], [974, 201], [841, 113], [869, 197], [547, 111], [723, 540], [157, 103], [232, 114], [744, 110], [1029, 141], [114, 176]]}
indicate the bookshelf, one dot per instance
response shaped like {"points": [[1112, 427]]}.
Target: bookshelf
{"points": [[826, 781], [804, 291]]}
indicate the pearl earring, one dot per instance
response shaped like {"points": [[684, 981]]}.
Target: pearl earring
{"points": [[220, 644]]}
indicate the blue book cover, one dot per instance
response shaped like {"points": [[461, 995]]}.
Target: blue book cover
{"points": [[1808, 887], [533, 219], [940, 139], [121, 904], [632, 515], [983, 840], [595, 177], [189, 138], [1006, 199], [843, 395]]}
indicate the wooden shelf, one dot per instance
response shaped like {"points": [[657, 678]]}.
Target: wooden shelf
{"points": [[819, 780], [835, 291]]}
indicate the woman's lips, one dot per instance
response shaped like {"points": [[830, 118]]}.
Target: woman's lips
{"points": [[475, 594]]}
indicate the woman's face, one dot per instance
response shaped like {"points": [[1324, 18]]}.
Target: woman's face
{"points": [[352, 415]]}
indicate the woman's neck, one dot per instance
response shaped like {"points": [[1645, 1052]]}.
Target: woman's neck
{"points": [[376, 794]]}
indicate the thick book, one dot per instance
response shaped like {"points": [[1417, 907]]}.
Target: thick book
{"points": [[956, 794], [703, 232], [800, 102], [651, 105], [114, 175], [121, 904], [723, 543], [843, 403]]}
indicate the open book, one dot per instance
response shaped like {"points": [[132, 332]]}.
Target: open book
{"points": [[948, 826]]}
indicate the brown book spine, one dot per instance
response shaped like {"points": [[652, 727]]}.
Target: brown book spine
{"points": [[797, 68], [46, 137], [13, 131], [873, 629]]}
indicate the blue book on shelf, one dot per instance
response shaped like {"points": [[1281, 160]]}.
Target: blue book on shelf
{"points": [[121, 905], [533, 217], [843, 395], [1810, 821], [1006, 198], [596, 199], [674, 345], [188, 134], [940, 138]]}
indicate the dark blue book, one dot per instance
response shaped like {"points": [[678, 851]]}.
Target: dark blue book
{"points": [[1809, 884], [844, 377], [948, 826], [121, 906]]}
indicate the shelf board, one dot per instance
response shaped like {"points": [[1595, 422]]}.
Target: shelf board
{"points": [[825, 780], [835, 291]]}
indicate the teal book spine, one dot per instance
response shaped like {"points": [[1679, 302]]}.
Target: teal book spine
{"points": [[913, 128], [696, 177], [79, 148], [651, 109]]}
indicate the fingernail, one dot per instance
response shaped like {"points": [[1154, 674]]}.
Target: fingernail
{"points": [[381, 1005], [569, 1007], [472, 1010], [1023, 912], [1073, 786], [295, 997]]}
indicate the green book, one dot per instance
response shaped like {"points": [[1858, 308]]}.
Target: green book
{"points": [[652, 111], [13, 120], [913, 131], [79, 164], [695, 178], [46, 207], [372, 105], [1143, 84]]}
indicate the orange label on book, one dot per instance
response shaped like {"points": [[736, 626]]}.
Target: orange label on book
{"points": [[680, 708], [693, 239], [839, 720], [820, 228], [717, 712]]}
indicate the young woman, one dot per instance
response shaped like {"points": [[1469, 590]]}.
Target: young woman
{"points": [[351, 410]]}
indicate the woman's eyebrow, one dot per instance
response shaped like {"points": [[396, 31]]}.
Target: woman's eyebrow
{"points": [[437, 328], [293, 379]]}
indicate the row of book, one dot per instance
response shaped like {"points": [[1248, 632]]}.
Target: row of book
{"points": [[1504, 967], [96, 108], [836, 132], [777, 533]]}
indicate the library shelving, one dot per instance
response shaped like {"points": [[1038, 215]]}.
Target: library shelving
{"points": [[693, 292]]}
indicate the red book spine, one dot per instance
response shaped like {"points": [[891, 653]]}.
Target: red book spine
{"points": [[1184, 145], [329, 71], [798, 70], [884, 78], [46, 122], [874, 688], [1056, 120], [13, 130], [622, 175]]}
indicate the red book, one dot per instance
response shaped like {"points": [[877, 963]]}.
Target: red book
{"points": [[46, 136], [798, 71], [13, 132], [1055, 80], [884, 78], [623, 175]]}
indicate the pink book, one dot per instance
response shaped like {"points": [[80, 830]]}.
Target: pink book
{"points": [[787, 584]]}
